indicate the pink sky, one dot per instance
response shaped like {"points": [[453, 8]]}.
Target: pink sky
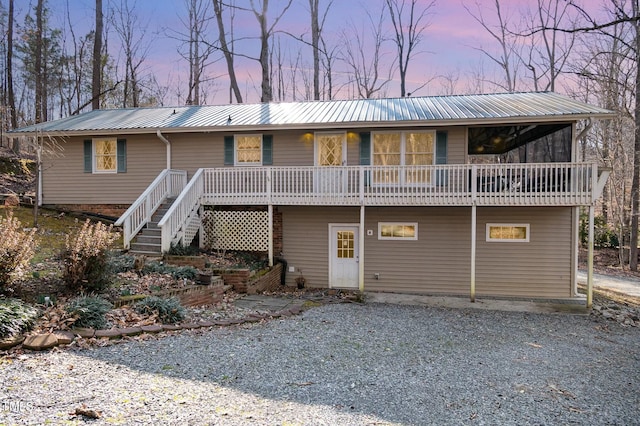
{"points": [[449, 46]]}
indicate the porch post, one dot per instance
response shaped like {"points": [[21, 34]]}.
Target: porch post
{"points": [[473, 252], [270, 237], [590, 258], [361, 234]]}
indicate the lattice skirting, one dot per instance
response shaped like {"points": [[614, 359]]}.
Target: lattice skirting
{"points": [[235, 230]]}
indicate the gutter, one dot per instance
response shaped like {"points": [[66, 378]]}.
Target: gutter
{"points": [[168, 144]]}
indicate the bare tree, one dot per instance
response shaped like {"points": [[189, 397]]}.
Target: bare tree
{"points": [[266, 32], [317, 26], [550, 49], [96, 81], [508, 57], [227, 48], [364, 57], [409, 19], [135, 49]]}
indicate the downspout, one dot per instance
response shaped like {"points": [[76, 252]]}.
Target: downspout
{"points": [[168, 144]]}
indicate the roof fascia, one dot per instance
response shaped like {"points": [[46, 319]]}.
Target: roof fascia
{"points": [[322, 126]]}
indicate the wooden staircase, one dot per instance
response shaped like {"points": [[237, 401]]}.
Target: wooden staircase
{"points": [[148, 240]]}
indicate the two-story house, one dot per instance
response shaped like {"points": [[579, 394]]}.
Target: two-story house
{"points": [[459, 195]]}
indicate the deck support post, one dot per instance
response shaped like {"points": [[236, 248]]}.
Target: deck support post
{"points": [[473, 252], [270, 237], [361, 234], [590, 258]]}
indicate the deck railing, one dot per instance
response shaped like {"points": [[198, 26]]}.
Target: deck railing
{"points": [[169, 183], [175, 220], [454, 184]]}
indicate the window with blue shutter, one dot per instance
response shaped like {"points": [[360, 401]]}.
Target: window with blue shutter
{"points": [[88, 156]]}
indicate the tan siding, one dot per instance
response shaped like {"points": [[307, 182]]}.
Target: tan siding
{"points": [[438, 262], [64, 180], [193, 151], [539, 268], [456, 145], [305, 240]]}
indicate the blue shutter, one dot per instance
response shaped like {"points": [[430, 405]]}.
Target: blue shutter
{"points": [[365, 155], [228, 151], [267, 150], [441, 157], [88, 155], [365, 149], [122, 155]]}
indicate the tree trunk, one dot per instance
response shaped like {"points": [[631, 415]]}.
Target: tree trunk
{"points": [[11, 94], [38, 65], [315, 45], [635, 185], [228, 53], [96, 82]]}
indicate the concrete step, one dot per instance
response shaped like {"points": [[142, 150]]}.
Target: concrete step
{"points": [[155, 232], [146, 247], [143, 238]]}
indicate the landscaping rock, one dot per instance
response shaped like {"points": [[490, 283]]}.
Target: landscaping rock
{"points": [[111, 334], [10, 342], [39, 342], [153, 328], [171, 327], [130, 331], [83, 332], [64, 337]]}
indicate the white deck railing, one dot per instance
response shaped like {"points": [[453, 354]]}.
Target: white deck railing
{"points": [[455, 184], [176, 219], [549, 184], [169, 183]]}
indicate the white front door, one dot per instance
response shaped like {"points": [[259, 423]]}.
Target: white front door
{"points": [[343, 256]]}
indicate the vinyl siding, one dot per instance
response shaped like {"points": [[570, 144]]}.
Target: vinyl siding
{"points": [[305, 240], [438, 262], [540, 268], [65, 182]]}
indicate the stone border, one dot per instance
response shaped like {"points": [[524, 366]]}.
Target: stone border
{"points": [[45, 341]]}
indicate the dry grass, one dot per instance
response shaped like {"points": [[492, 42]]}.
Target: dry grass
{"points": [[612, 296]]}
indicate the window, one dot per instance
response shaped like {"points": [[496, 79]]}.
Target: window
{"points": [[510, 232], [403, 149], [329, 149], [397, 231], [249, 150], [105, 155]]}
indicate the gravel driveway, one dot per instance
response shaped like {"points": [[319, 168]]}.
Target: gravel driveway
{"points": [[346, 364]]}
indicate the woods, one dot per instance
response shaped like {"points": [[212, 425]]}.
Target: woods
{"points": [[234, 51]]}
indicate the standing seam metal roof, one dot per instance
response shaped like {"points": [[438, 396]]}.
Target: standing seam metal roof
{"points": [[423, 110]]}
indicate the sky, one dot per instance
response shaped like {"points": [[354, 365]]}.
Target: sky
{"points": [[450, 47]]}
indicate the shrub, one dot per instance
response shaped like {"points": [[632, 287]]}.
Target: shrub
{"points": [[85, 256], [16, 249], [169, 311], [89, 311], [16, 317], [177, 272], [603, 235]]}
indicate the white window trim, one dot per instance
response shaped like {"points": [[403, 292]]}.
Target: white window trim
{"points": [[235, 150], [507, 240], [403, 152], [315, 145], [94, 156], [414, 224]]}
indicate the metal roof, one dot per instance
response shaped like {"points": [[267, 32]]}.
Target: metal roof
{"points": [[313, 115]]}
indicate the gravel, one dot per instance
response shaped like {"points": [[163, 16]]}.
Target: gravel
{"points": [[345, 364]]}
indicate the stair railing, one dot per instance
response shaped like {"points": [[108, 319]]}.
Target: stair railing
{"points": [[169, 183], [177, 217]]}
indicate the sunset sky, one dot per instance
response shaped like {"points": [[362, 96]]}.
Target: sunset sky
{"points": [[450, 46]]}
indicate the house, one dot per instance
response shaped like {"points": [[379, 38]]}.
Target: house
{"points": [[474, 195]]}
